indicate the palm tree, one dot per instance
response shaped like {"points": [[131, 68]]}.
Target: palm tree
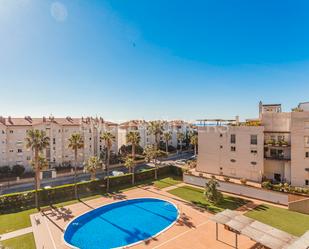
{"points": [[93, 164], [108, 138], [151, 153], [130, 163], [180, 138], [167, 137], [134, 139], [156, 128], [76, 142], [37, 141], [194, 142]]}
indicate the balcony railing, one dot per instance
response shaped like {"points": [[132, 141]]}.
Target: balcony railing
{"points": [[278, 157], [276, 143]]}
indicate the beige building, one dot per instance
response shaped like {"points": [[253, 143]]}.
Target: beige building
{"points": [[13, 133], [141, 126], [281, 152]]}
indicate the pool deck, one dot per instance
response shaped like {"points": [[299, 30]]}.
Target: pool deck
{"points": [[192, 230]]}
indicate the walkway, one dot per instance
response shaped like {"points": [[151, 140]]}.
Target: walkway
{"points": [[16, 233]]}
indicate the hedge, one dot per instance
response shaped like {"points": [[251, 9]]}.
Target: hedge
{"points": [[25, 200]]}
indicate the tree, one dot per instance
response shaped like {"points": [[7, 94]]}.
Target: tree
{"points": [[194, 142], [37, 141], [130, 164], [180, 138], [18, 170], [76, 142], [92, 165], [211, 192], [156, 128], [108, 138], [134, 139], [151, 154], [167, 137]]}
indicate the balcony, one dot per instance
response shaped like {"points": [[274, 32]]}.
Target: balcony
{"points": [[274, 143], [278, 157]]}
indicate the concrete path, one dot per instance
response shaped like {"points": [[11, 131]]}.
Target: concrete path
{"points": [[42, 234], [16, 233]]}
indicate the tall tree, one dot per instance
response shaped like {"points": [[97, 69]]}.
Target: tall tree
{"points": [[134, 139], [151, 154], [130, 163], [156, 128], [180, 138], [93, 164], [194, 142], [76, 142], [167, 137], [37, 141], [108, 138]]}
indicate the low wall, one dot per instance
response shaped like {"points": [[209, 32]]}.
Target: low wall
{"points": [[242, 190], [301, 206]]}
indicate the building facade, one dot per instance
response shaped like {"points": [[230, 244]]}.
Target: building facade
{"points": [[276, 147], [13, 132]]}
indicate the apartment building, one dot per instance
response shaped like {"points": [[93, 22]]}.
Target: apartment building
{"points": [[275, 146], [141, 126], [14, 130]]}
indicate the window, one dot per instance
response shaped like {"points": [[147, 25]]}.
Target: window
{"points": [[54, 140], [19, 150], [233, 139], [254, 151], [11, 150], [28, 158], [233, 160], [254, 139], [307, 154], [221, 147], [277, 177], [3, 132], [11, 131], [233, 148], [253, 163], [221, 135], [306, 182]]}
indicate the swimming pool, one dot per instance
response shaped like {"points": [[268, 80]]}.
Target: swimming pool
{"points": [[121, 223]]}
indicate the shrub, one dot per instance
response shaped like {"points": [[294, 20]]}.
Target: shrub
{"points": [[243, 181], [211, 192], [226, 178], [267, 185], [18, 170]]}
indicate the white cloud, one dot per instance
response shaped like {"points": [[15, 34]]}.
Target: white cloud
{"points": [[58, 11]]}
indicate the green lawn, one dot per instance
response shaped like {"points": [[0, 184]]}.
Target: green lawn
{"points": [[283, 219], [22, 242], [196, 196], [18, 220], [166, 182]]}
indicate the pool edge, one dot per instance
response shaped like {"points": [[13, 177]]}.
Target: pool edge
{"points": [[135, 243]]}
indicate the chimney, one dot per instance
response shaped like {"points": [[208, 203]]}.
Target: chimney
{"points": [[237, 120]]}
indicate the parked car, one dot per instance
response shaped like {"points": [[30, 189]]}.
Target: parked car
{"points": [[181, 162], [117, 173]]}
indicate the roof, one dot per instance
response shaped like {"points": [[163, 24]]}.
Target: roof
{"points": [[271, 104], [262, 233], [68, 121]]}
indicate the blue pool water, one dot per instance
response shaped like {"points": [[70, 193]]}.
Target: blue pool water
{"points": [[120, 224]]}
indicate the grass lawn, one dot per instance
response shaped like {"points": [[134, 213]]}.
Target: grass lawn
{"points": [[18, 220], [283, 219], [196, 196], [166, 182], [22, 242]]}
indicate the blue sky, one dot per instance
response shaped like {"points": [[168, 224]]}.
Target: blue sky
{"points": [[124, 59]]}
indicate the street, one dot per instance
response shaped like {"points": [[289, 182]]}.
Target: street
{"points": [[84, 176]]}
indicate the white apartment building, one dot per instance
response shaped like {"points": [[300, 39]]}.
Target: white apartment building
{"points": [[141, 126], [13, 133], [277, 148]]}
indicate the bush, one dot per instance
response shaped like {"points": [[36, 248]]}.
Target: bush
{"points": [[243, 181], [226, 179], [267, 185], [18, 170], [5, 171]]}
